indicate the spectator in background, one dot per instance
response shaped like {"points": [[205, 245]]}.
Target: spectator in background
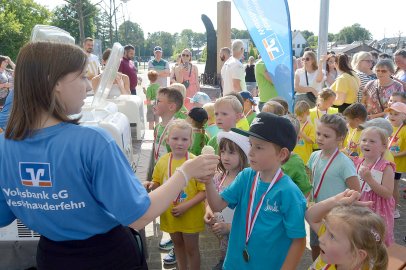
{"points": [[331, 71], [224, 55], [161, 66], [232, 73], [188, 75], [378, 92], [362, 64], [266, 88], [178, 62], [250, 76], [309, 79], [121, 85], [384, 56], [400, 61], [93, 63], [128, 67], [346, 85], [375, 56], [6, 78]]}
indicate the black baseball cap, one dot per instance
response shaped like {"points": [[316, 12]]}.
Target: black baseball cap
{"points": [[272, 128], [198, 114]]}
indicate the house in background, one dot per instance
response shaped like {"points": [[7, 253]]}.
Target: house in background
{"points": [[353, 48], [298, 43], [390, 45]]}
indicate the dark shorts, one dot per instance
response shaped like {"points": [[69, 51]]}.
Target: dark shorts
{"points": [[398, 176], [314, 238], [116, 249]]}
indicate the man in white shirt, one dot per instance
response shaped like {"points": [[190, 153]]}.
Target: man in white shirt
{"points": [[233, 72], [93, 65]]}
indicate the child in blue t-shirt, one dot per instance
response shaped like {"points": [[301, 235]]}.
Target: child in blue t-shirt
{"points": [[268, 229]]}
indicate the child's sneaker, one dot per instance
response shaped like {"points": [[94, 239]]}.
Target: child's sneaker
{"points": [[170, 258], [166, 244], [396, 214]]}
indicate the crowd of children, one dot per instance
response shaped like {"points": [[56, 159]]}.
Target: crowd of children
{"points": [[342, 168]]}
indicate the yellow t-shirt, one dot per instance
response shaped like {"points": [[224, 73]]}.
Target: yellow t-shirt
{"points": [[347, 84], [398, 145], [316, 114], [303, 148], [192, 220], [351, 143], [243, 124]]}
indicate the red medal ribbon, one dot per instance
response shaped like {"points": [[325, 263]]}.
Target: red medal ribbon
{"points": [[221, 182], [250, 220], [333, 156], [156, 151], [170, 173], [370, 168], [394, 136]]}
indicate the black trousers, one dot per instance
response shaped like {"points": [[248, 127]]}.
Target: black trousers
{"points": [[116, 249]]}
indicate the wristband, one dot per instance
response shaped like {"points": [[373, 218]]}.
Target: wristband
{"points": [[184, 175]]}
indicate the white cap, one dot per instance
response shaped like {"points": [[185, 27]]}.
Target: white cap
{"points": [[242, 141]]}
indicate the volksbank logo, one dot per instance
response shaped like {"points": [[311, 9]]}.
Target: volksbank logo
{"points": [[35, 174], [273, 46]]}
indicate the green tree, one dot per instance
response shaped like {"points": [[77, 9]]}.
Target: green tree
{"points": [[68, 18], [353, 33], [131, 33], [163, 39], [17, 19], [306, 34], [240, 34], [331, 37], [312, 41]]}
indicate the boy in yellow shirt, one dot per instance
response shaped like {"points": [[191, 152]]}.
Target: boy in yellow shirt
{"points": [[355, 115], [307, 133]]}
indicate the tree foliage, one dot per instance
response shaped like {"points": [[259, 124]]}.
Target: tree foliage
{"points": [[353, 33], [17, 19], [240, 34], [131, 33], [66, 17], [306, 34], [164, 39]]}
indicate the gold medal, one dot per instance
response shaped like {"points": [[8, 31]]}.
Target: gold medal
{"points": [[245, 255]]}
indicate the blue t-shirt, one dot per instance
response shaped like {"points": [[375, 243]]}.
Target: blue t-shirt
{"points": [[336, 176], [68, 182], [5, 112], [280, 220]]}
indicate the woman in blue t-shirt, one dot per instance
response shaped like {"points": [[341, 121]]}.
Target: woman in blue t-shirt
{"points": [[70, 183]]}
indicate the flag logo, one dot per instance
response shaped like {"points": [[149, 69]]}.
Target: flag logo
{"points": [[273, 47], [35, 174]]}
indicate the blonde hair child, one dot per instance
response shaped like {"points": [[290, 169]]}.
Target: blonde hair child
{"points": [[183, 220], [234, 150], [273, 107], [324, 105], [351, 236], [376, 177], [211, 128], [182, 113], [228, 111], [332, 170], [307, 132]]}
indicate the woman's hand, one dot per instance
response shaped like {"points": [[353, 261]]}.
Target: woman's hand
{"points": [[202, 167], [349, 197]]}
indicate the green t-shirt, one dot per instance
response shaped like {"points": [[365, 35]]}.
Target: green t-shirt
{"points": [[213, 143], [152, 90], [199, 140], [296, 170], [182, 113], [251, 117], [266, 88]]}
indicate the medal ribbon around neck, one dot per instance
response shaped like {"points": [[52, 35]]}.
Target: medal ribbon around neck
{"points": [[170, 173], [394, 136], [156, 152], [250, 220], [333, 156], [370, 168]]}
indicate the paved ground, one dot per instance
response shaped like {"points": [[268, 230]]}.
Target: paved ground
{"points": [[209, 245]]}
